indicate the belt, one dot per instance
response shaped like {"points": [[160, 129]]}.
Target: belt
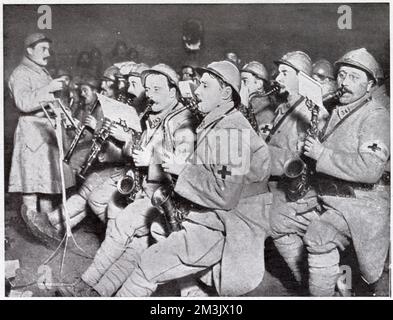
{"points": [[337, 187], [253, 189]]}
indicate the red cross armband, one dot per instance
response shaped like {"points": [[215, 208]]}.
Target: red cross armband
{"points": [[377, 148]]}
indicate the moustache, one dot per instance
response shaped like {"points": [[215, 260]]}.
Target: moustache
{"points": [[346, 90]]}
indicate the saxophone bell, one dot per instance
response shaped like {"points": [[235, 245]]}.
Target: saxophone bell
{"points": [[127, 183], [162, 199]]}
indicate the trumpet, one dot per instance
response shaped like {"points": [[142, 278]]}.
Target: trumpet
{"points": [[77, 137], [174, 212], [298, 171]]}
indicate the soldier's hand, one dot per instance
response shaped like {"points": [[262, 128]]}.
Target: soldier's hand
{"points": [[118, 133], [141, 157], [56, 85], [313, 148], [91, 122]]}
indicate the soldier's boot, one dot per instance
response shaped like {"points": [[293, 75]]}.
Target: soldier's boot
{"points": [[106, 256], [39, 225], [76, 207], [323, 273], [291, 249], [189, 287], [137, 285], [118, 273], [77, 289]]}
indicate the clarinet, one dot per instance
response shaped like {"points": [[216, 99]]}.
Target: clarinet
{"points": [[99, 140], [78, 136]]}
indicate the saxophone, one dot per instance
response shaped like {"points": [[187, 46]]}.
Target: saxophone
{"points": [[131, 183], [298, 172], [174, 208], [248, 111]]}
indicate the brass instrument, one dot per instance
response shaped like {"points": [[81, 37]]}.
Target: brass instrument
{"points": [[77, 137], [275, 88], [130, 184], [192, 105], [174, 210], [298, 172]]}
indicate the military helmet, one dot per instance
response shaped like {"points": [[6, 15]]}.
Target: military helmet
{"points": [[137, 69], [257, 69], [226, 71], [362, 59], [90, 81], [323, 68], [110, 73], [163, 69], [298, 60]]}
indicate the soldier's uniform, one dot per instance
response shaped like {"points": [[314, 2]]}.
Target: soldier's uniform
{"points": [[226, 228], [262, 106], [35, 166], [356, 148], [171, 130], [105, 169], [105, 201], [289, 218]]}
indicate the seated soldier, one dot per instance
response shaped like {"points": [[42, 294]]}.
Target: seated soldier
{"points": [[226, 225], [255, 83], [350, 156], [170, 129]]}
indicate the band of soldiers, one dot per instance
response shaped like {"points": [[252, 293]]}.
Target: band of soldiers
{"points": [[314, 178]]}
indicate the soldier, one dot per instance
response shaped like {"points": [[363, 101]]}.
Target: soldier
{"points": [[169, 129], [255, 81], [35, 168], [225, 229], [136, 88], [323, 72], [350, 159], [108, 85], [292, 120], [106, 195], [87, 114]]}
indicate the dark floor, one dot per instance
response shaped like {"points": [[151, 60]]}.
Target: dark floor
{"points": [[31, 254]]}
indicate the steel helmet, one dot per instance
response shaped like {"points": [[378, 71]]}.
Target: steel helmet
{"points": [[257, 69], [323, 68], [226, 71], [361, 59], [163, 69], [298, 60]]}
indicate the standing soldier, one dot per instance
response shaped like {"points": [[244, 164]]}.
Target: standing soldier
{"points": [[255, 81], [225, 229], [35, 170], [170, 129], [289, 217], [350, 160]]}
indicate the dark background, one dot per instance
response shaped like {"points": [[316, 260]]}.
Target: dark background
{"points": [[262, 32]]}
